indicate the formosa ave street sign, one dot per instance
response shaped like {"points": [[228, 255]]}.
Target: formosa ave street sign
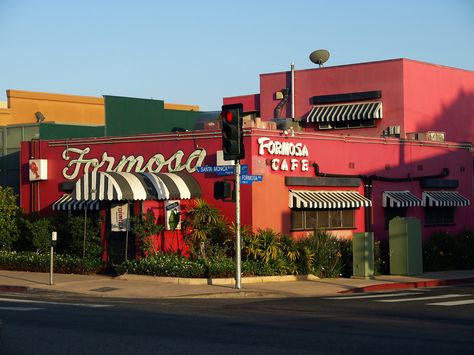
{"points": [[250, 179]]}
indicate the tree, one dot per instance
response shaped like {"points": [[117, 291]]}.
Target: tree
{"points": [[9, 215]]}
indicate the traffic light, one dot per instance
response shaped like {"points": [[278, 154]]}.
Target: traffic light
{"points": [[232, 135], [222, 190]]}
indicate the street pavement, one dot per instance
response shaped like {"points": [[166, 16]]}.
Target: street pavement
{"points": [[149, 287]]}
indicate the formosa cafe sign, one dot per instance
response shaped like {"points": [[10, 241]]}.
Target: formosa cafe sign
{"points": [[79, 163], [286, 156]]}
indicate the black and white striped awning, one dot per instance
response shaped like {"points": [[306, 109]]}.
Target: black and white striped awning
{"points": [[120, 186], [400, 199], [444, 199], [327, 199], [346, 112], [66, 203]]}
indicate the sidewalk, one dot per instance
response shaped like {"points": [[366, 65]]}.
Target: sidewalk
{"points": [[136, 286]]}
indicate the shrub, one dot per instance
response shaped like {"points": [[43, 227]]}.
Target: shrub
{"points": [[71, 237], [201, 226], [40, 231], [443, 251], [9, 215], [327, 254], [161, 264], [37, 262], [145, 226]]}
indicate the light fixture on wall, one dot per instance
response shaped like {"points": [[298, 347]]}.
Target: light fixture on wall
{"points": [[39, 116]]}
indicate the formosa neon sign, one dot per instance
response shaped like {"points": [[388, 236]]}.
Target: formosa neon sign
{"points": [[177, 162], [289, 149]]}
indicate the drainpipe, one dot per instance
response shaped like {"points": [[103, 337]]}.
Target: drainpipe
{"points": [[292, 91], [368, 184]]}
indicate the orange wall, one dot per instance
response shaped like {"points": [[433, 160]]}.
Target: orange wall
{"points": [[55, 107], [87, 110]]}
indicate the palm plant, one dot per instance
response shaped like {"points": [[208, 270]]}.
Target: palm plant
{"points": [[201, 224], [270, 244]]}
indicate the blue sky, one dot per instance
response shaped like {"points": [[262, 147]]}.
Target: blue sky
{"points": [[197, 52]]}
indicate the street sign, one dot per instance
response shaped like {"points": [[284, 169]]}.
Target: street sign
{"points": [[249, 179], [222, 170]]}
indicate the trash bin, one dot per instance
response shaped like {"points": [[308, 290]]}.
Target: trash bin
{"points": [[406, 255], [363, 255]]}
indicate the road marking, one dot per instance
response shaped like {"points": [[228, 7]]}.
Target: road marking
{"points": [[20, 309], [451, 303], [54, 303], [373, 296], [423, 298]]}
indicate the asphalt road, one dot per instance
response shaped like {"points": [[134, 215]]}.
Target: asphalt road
{"points": [[435, 321]]}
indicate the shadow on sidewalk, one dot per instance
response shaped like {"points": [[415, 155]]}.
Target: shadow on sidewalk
{"points": [[32, 280]]}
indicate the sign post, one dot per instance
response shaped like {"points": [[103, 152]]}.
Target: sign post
{"points": [[54, 238]]}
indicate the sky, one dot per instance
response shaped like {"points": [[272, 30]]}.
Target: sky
{"points": [[197, 52]]}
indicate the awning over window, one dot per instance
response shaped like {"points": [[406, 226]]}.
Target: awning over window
{"points": [[346, 112], [66, 203], [119, 186], [327, 199], [444, 199], [400, 199]]}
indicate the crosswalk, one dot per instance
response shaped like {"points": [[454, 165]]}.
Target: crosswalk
{"points": [[444, 300], [26, 305]]}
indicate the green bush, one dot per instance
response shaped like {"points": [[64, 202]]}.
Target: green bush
{"points": [[9, 216], [37, 262], [71, 237], [443, 251], [161, 264], [328, 258]]}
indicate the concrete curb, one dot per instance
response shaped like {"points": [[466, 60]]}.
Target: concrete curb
{"points": [[216, 281], [405, 285], [19, 289]]}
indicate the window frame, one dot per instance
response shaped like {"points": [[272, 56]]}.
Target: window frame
{"points": [[447, 213], [306, 214]]}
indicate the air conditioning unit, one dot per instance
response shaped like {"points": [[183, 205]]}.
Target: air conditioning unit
{"points": [[325, 125], [434, 136]]}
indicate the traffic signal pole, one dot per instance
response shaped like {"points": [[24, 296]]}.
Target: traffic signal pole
{"points": [[238, 246], [233, 149]]}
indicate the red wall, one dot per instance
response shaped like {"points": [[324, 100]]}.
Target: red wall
{"points": [[417, 96], [265, 204], [386, 76], [439, 98]]}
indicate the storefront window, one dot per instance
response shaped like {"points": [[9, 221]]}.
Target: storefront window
{"points": [[310, 219], [436, 216]]}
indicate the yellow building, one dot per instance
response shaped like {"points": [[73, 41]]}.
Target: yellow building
{"points": [[26, 107]]}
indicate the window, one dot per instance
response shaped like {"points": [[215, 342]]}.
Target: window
{"points": [[347, 124], [392, 212], [310, 219], [438, 216]]}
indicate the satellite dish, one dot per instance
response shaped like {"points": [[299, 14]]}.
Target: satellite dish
{"points": [[319, 57]]}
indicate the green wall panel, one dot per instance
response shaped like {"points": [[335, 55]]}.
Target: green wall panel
{"points": [[60, 131], [127, 116]]}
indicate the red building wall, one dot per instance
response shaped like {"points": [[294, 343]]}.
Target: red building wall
{"points": [[439, 98], [264, 204], [417, 96]]}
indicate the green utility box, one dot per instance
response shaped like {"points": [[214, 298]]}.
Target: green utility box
{"points": [[363, 255], [406, 256]]}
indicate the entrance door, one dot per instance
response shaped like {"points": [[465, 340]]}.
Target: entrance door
{"points": [[117, 237]]}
